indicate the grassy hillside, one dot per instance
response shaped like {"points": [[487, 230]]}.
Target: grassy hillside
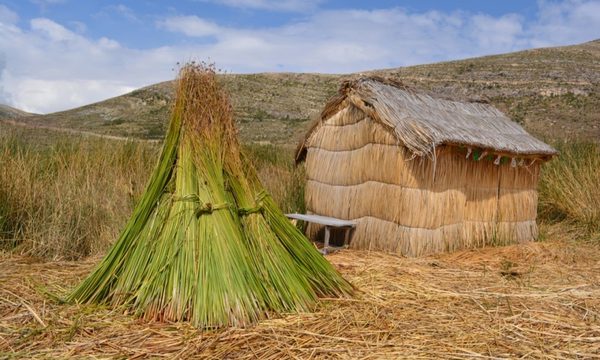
{"points": [[269, 108], [8, 112], [553, 92]]}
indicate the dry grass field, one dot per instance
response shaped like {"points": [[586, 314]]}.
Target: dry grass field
{"points": [[540, 300]]}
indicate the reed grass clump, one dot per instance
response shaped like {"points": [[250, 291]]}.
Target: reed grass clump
{"points": [[277, 171], [570, 187], [206, 242], [67, 199]]}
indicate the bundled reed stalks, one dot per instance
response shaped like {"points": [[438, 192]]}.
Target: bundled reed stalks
{"points": [[206, 243]]}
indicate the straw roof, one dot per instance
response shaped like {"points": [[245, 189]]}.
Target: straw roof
{"points": [[421, 122]]}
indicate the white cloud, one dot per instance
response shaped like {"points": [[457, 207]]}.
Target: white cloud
{"points": [[44, 4], [5, 97], [271, 5], [351, 40], [53, 31], [109, 44], [491, 34], [123, 11], [190, 26], [49, 67], [563, 22], [72, 92], [8, 16]]}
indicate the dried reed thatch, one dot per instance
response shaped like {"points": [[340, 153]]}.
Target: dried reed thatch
{"points": [[420, 174], [206, 243], [537, 301]]}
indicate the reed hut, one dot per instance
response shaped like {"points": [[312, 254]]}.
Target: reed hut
{"points": [[421, 174]]}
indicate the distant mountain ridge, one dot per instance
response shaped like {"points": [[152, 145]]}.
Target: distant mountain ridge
{"points": [[553, 92]]}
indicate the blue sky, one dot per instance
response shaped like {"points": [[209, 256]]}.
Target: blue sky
{"points": [[58, 54]]}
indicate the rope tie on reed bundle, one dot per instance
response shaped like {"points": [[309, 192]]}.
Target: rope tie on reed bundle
{"points": [[203, 208], [208, 208], [259, 205]]}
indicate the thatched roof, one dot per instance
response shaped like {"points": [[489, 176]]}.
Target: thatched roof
{"points": [[421, 122]]}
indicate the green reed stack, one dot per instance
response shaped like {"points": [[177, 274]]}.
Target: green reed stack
{"points": [[206, 243]]}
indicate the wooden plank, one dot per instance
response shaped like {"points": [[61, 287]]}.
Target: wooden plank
{"points": [[323, 220]]}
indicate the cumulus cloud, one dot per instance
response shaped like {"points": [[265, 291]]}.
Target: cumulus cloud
{"points": [[351, 40], [49, 67], [52, 31], [4, 96], [41, 95]]}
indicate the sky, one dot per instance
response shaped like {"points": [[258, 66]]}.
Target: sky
{"points": [[60, 54]]}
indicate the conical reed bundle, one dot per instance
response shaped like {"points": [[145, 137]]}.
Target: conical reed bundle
{"points": [[206, 243]]}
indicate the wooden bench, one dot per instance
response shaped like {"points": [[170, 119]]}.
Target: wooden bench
{"points": [[329, 223]]}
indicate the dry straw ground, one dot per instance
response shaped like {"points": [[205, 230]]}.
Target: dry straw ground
{"points": [[540, 300]]}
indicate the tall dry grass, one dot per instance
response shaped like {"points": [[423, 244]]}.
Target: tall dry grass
{"points": [[69, 199], [278, 173], [570, 188]]}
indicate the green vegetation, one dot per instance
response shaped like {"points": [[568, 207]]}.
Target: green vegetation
{"points": [[281, 177], [206, 242], [71, 197]]}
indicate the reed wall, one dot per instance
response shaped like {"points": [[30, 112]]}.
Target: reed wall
{"points": [[411, 205]]}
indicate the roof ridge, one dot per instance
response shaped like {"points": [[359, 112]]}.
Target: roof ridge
{"points": [[355, 83]]}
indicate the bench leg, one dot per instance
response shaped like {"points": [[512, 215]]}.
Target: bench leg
{"points": [[326, 241], [346, 237]]}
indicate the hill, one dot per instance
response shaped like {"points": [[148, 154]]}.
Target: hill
{"points": [[8, 112], [553, 92]]}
